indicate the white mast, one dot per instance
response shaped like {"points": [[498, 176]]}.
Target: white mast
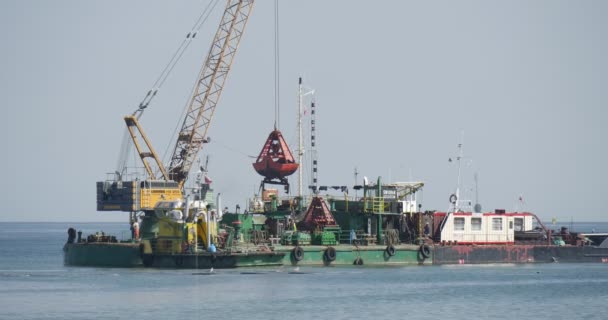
{"points": [[301, 96], [456, 205], [300, 146]]}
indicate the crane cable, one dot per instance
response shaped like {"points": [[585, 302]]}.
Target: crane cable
{"points": [[276, 66], [185, 108], [176, 57], [125, 147]]}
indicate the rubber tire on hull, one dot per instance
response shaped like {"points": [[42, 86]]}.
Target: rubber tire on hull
{"points": [[330, 254], [390, 250], [179, 261], [297, 253], [358, 261], [148, 260], [425, 251]]}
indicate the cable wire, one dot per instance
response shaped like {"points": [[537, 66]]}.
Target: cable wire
{"points": [[177, 55], [276, 66]]}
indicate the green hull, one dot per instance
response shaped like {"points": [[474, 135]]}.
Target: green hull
{"points": [[129, 255], [99, 254], [371, 255], [217, 261]]}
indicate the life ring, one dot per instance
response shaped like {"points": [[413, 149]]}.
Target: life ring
{"points": [[390, 250], [425, 251], [330, 254], [179, 261], [148, 260], [297, 253], [358, 261], [453, 198]]}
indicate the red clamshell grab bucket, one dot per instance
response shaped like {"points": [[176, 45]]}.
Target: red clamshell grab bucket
{"points": [[275, 160]]}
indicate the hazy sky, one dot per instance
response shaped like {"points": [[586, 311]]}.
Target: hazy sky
{"points": [[396, 83]]}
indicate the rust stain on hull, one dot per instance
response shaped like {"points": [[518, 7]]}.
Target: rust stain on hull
{"points": [[469, 254]]}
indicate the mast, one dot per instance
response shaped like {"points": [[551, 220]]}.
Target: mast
{"points": [[313, 148], [301, 96], [300, 146], [459, 158], [356, 174], [455, 197], [477, 207]]}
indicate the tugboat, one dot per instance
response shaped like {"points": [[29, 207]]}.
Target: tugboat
{"points": [[465, 236]]}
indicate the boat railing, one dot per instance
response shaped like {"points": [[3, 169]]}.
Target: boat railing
{"points": [[353, 236], [128, 174], [374, 204], [481, 237]]}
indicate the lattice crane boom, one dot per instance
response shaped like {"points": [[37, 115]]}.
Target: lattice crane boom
{"points": [[208, 89], [136, 132]]}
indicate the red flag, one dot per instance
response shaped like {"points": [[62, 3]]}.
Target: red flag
{"points": [[208, 180]]}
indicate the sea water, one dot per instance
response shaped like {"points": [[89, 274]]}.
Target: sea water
{"points": [[34, 284]]}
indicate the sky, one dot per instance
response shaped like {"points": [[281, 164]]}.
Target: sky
{"points": [[398, 85]]}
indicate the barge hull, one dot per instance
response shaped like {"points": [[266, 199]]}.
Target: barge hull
{"points": [[315, 255], [570, 254], [490, 254], [217, 261], [483, 254], [100, 254]]}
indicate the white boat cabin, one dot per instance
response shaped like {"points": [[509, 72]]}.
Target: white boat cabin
{"points": [[497, 227]]}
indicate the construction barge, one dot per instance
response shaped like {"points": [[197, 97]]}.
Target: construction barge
{"points": [[270, 232], [178, 227], [380, 228]]}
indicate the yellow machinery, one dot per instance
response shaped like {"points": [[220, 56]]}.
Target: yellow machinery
{"points": [[201, 228], [118, 194], [173, 236]]}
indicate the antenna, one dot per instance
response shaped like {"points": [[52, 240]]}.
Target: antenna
{"points": [[459, 158], [455, 197], [476, 185], [477, 207], [356, 173]]}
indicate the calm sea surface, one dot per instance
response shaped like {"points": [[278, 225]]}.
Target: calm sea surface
{"points": [[34, 284]]}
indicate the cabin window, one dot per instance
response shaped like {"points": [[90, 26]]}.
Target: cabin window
{"points": [[475, 224], [519, 224], [496, 224], [458, 224]]}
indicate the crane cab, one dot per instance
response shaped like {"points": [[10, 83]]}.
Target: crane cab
{"points": [[137, 195]]}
